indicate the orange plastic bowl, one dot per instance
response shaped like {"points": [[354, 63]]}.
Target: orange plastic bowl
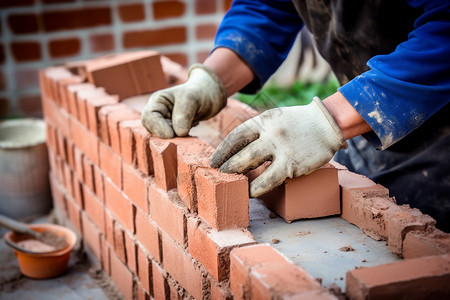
{"points": [[44, 264]]}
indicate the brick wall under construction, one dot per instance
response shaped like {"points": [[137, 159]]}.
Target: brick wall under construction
{"points": [[159, 219]]}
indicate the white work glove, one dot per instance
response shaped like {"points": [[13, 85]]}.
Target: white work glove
{"points": [[173, 111], [298, 140]]}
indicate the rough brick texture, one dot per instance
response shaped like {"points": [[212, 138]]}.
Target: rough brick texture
{"points": [[222, 198], [419, 278], [164, 225]]}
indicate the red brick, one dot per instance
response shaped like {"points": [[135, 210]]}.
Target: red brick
{"points": [[180, 58], [425, 243], [402, 219], [59, 118], [164, 156], [168, 9], [78, 158], [135, 187], [205, 31], [94, 209], [119, 243], [103, 114], [64, 47], [160, 286], [215, 190], [122, 276], [191, 154], [64, 91], [59, 200], [72, 91], [74, 213], [82, 97], [91, 236], [106, 265], [143, 154], [68, 180], [119, 205], [227, 5], [362, 203], [88, 169], [50, 135], [219, 291], [156, 37], [261, 272], [128, 74], [164, 204], [99, 184], [132, 12], [114, 118], [292, 200], [111, 164], [212, 248], [101, 42], [78, 192], [418, 278], [203, 7], [130, 247], [61, 145], [26, 51], [70, 154], [182, 267], [85, 141], [109, 227], [128, 143], [145, 270], [141, 293], [92, 110], [87, 17], [147, 234]]}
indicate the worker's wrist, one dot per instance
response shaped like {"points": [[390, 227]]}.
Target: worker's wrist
{"points": [[230, 68], [346, 117]]}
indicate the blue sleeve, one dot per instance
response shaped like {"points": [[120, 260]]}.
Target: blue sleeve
{"points": [[261, 33], [406, 87]]}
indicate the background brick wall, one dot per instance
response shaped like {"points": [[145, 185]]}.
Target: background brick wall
{"points": [[39, 33]]}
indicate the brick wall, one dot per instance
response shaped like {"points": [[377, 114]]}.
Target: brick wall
{"points": [[159, 220], [40, 33]]}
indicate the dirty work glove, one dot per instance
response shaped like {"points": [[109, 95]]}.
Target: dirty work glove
{"points": [[298, 140], [173, 111]]}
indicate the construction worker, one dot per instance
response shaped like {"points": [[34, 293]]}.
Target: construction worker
{"points": [[392, 59]]}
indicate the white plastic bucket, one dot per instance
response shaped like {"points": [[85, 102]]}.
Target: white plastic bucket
{"points": [[24, 183]]}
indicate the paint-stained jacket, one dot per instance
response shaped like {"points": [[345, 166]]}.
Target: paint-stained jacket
{"points": [[392, 57]]}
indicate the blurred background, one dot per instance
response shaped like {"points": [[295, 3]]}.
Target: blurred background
{"points": [[35, 34]]}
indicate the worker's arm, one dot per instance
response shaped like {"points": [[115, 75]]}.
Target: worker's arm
{"points": [[173, 111], [404, 88]]}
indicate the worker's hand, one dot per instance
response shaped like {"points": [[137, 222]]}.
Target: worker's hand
{"points": [[298, 140], [172, 112]]}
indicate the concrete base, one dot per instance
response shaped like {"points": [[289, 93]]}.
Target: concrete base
{"points": [[314, 244]]}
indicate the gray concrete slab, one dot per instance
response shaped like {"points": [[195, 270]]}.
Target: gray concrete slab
{"points": [[314, 244]]}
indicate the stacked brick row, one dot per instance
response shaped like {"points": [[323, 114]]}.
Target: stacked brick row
{"points": [[39, 33], [163, 224]]}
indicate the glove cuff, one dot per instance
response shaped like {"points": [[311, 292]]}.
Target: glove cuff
{"points": [[221, 87], [342, 142]]}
